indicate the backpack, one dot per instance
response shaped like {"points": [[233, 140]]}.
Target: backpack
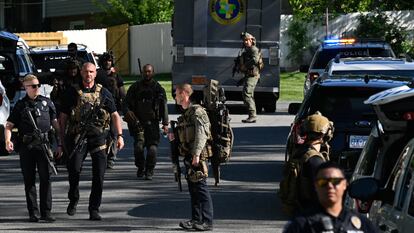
{"points": [[221, 131], [289, 187]]}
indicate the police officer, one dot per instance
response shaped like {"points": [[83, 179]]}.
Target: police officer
{"points": [[330, 216], [91, 106], [32, 156], [73, 54], [108, 78], [318, 131], [194, 133], [249, 66], [69, 77], [147, 106]]}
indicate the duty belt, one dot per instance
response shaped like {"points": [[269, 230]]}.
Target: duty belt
{"points": [[32, 140]]}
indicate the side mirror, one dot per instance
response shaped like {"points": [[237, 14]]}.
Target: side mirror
{"points": [[364, 189], [294, 108], [304, 68]]}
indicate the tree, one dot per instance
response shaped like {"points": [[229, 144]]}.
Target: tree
{"points": [[308, 9], [378, 25], [135, 12]]}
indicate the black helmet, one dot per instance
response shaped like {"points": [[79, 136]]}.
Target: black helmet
{"points": [[106, 56], [72, 64]]}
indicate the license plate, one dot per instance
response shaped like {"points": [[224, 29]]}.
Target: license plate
{"points": [[357, 141], [198, 80]]}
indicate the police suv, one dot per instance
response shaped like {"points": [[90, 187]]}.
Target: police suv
{"points": [[341, 99], [385, 170], [344, 47], [51, 58]]}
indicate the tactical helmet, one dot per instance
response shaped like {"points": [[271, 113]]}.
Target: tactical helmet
{"points": [[318, 124], [72, 64], [106, 57], [246, 35]]}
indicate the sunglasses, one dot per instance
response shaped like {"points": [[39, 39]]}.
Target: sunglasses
{"points": [[34, 86], [323, 182]]}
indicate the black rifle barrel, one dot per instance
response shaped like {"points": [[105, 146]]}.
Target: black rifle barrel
{"points": [[45, 148]]}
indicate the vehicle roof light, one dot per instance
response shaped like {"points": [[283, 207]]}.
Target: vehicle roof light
{"points": [[339, 41], [408, 116]]}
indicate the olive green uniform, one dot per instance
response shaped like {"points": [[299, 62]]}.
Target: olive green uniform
{"points": [[249, 63], [148, 101]]}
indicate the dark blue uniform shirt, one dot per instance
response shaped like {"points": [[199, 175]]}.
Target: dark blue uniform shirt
{"points": [[46, 114]]}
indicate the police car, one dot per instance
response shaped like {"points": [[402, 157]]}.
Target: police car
{"points": [[51, 58], [345, 47], [373, 66], [341, 100], [383, 182]]}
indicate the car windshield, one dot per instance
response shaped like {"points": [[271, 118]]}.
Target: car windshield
{"points": [[324, 56], [401, 73], [343, 104], [54, 60]]}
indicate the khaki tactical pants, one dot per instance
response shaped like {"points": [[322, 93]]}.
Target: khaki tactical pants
{"points": [[248, 94]]}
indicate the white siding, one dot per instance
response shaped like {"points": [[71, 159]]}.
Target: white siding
{"points": [[152, 43], [95, 39]]}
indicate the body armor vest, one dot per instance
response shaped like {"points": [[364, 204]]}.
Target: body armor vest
{"points": [[186, 132], [87, 102]]}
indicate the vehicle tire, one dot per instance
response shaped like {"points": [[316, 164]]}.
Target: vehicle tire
{"points": [[270, 108], [259, 108]]}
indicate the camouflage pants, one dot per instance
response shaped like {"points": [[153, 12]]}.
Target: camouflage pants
{"points": [[248, 94]]}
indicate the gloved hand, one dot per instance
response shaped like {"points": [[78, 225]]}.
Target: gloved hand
{"points": [[130, 117]]}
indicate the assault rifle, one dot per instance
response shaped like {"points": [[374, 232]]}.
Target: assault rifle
{"points": [[80, 139], [175, 155], [236, 66], [37, 134]]}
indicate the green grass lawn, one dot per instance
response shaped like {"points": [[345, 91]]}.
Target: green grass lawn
{"points": [[291, 85]]}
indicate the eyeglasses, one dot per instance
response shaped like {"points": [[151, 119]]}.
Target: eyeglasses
{"points": [[34, 86], [323, 182]]}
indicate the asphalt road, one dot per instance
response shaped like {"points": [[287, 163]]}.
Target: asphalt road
{"points": [[244, 201]]}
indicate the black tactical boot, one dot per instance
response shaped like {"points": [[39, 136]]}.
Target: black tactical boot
{"points": [[33, 218], [48, 218], [94, 215], [71, 210], [250, 119], [110, 164], [140, 173], [149, 173]]}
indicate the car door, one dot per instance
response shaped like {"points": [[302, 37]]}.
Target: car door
{"points": [[391, 216]]}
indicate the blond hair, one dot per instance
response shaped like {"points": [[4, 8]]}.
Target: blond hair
{"points": [[185, 87], [29, 77]]}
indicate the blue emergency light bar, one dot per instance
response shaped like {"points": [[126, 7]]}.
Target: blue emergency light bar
{"points": [[339, 41]]}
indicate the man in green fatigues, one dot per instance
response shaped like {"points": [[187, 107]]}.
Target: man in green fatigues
{"points": [[249, 66], [147, 106]]}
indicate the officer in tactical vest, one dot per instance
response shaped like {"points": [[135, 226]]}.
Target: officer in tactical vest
{"points": [[69, 77], [87, 111], [147, 106], [249, 66], [318, 132], [194, 132], [73, 54], [32, 155], [330, 215], [108, 78]]}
